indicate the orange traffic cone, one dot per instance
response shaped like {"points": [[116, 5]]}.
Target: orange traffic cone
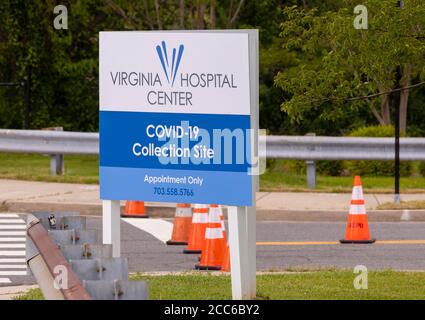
{"points": [[135, 209], [214, 245], [223, 226], [197, 229], [182, 223], [357, 230], [225, 266]]}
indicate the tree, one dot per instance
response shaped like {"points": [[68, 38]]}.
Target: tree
{"points": [[341, 68], [64, 63]]}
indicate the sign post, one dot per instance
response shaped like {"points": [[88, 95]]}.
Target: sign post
{"points": [[179, 123]]}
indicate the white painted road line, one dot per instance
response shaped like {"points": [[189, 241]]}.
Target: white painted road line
{"points": [[12, 245], [5, 280], [12, 239], [10, 221], [12, 260], [159, 228], [13, 266], [12, 233], [9, 215], [6, 253], [13, 273], [13, 227]]}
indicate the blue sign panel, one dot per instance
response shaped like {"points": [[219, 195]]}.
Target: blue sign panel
{"points": [[175, 122]]}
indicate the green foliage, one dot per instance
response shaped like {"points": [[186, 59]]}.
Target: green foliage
{"points": [[376, 168], [330, 168], [335, 61], [64, 63], [373, 131], [317, 55], [422, 168]]}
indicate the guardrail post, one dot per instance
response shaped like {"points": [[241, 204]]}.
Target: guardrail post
{"points": [[56, 160], [311, 170], [311, 174], [56, 164]]}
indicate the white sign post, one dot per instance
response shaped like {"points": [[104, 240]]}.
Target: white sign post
{"points": [[179, 123]]}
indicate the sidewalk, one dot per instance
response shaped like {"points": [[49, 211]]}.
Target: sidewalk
{"points": [[29, 196]]}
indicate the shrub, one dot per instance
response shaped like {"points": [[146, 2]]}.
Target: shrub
{"points": [[330, 168], [323, 167], [422, 168], [376, 168]]}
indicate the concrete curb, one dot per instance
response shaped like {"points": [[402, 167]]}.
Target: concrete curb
{"points": [[156, 211]]}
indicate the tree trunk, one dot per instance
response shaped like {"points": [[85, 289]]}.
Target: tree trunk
{"points": [[385, 110], [212, 14], [147, 16], [181, 14], [158, 15], [201, 14], [404, 98], [232, 17]]}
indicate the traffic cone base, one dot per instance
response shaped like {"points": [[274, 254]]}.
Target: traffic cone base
{"points": [[123, 215], [357, 241], [176, 243], [188, 251], [199, 267]]}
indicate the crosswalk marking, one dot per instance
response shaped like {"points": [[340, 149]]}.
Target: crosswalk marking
{"points": [[12, 260], [12, 233], [5, 280], [12, 239], [12, 247], [10, 221], [12, 227], [13, 273], [13, 266], [12, 253], [9, 215]]}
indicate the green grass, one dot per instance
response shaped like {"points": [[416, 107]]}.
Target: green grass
{"points": [[330, 284], [32, 294], [403, 205], [78, 169], [280, 181], [84, 169]]}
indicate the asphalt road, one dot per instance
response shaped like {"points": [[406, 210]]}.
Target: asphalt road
{"points": [[146, 253]]}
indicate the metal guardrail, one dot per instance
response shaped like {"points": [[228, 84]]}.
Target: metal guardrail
{"points": [[343, 148], [54, 143], [70, 262], [279, 147], [309, 148], [48, 142]]}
